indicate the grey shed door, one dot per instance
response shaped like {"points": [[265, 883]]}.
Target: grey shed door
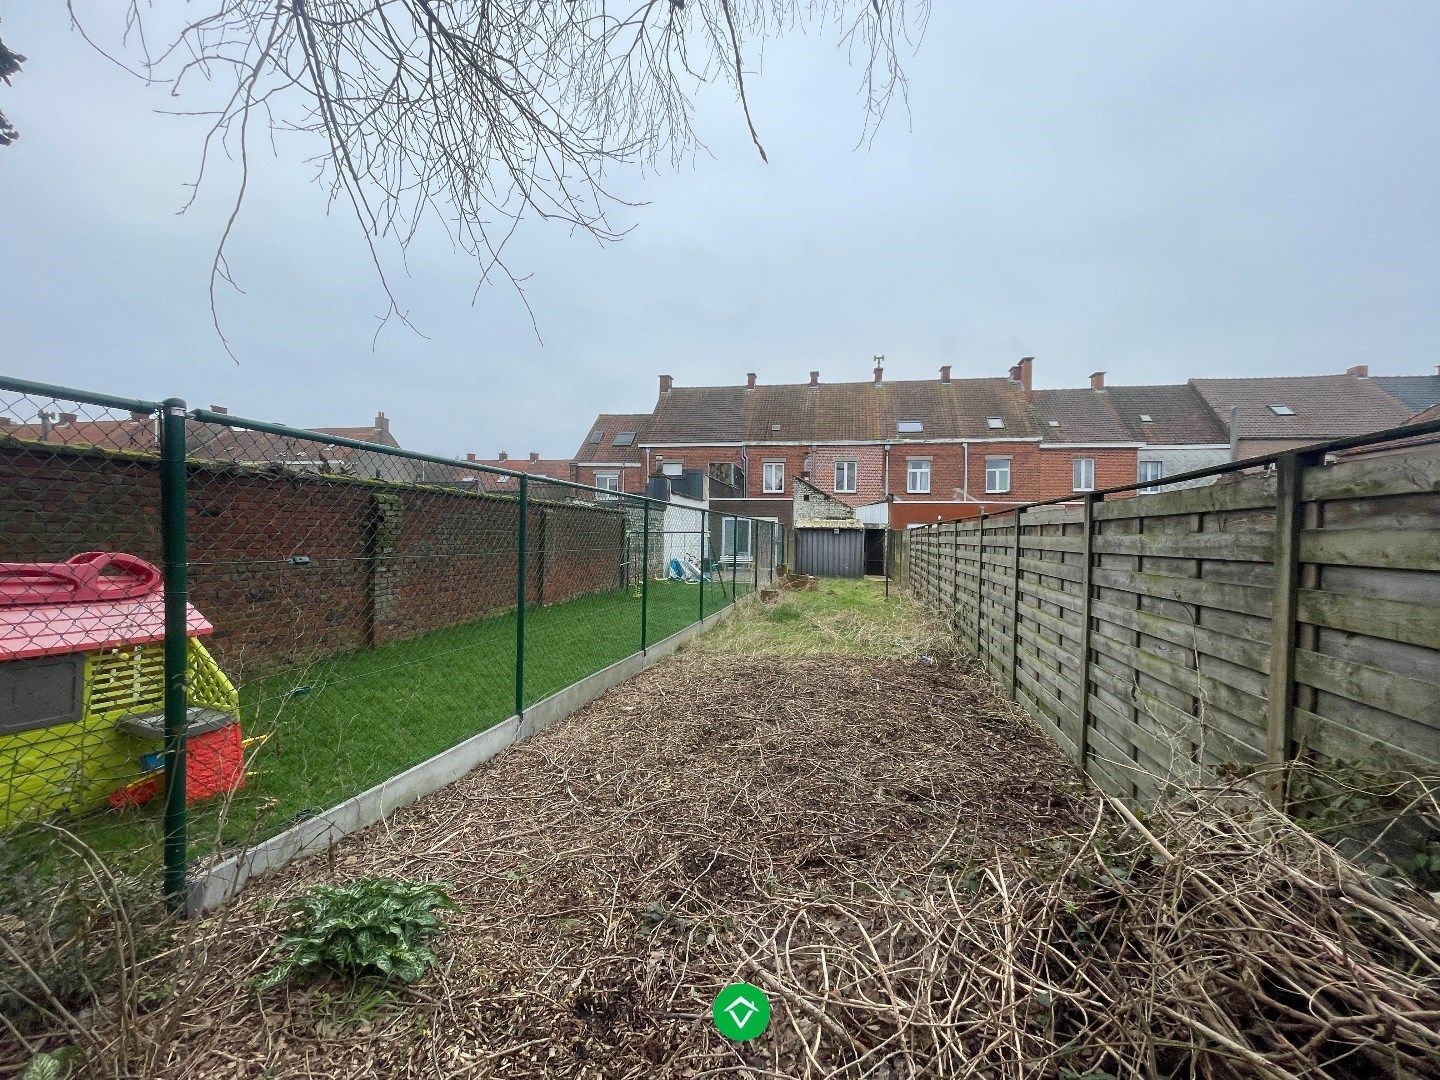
{"points": [[830, 553]]}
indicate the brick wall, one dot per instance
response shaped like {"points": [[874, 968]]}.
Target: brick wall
{"points": [[292, 568]]}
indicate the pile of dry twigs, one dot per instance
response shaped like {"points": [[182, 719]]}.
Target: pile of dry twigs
{"points": [[887, 848]]}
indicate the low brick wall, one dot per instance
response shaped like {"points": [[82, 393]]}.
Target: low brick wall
{"points": [[291, 567]]}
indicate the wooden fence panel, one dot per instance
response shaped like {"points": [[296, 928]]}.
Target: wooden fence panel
{"points": [[1291, 614]]}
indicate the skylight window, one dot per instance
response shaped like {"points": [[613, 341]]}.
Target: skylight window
{"points": [[596, 436], [909, 427], [1146, 418], [995, 421], [625, 438], [1053, 423], [774, 427], [1282, 410]]}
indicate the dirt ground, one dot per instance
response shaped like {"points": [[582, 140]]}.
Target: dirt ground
{"points": [[721, 817]]}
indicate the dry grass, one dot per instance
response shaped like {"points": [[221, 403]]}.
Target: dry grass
{"points": [[887, 847]]}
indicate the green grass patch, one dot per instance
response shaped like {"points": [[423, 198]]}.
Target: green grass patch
{"points": [[839, 617], [344, 724]]}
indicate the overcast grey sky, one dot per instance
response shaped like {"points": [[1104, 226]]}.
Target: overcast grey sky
{"points": [[1160, 190]]}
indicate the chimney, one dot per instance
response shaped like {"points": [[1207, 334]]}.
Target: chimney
{"points": [[1097, 380], [5, 421], [471, 457], [666, 382], [534, 455], [221, 409], [750, 380], [815, 379], [945, 373], [142, 417], [504, 456], [1015, 373], [1360, 371], [1026, 364], [879, 374], [68, 418], [381, 423]]}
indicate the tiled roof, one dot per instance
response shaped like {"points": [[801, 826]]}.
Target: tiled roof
{"points": [[1085, 416], [547, 468], [136, 435], [841, 412], [1178, 415], [361, 434], [1416, 391], [1432, 413], [1323, 405], [609, 425]]}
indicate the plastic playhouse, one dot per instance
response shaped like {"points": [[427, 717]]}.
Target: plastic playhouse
{"points": [[82, 685]]}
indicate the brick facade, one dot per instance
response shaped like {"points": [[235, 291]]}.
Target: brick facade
{"points": [[293, 568]]}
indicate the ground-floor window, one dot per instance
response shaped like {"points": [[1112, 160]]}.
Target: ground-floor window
{"points": [[1150, 474]]}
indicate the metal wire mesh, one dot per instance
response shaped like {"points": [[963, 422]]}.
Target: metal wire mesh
{"points": [[354, 609]]}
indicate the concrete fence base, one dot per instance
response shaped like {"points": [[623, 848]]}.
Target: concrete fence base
{"points": [[217, 884]]}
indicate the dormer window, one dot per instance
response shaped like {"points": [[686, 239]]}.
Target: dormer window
{"points": [[1145, 418], [995, 422], [909, 427], [1282, 410], [625, 438]]}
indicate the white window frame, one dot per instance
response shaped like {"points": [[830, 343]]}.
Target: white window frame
{"points": [[1151, 482], [727, 540], [672, 468], [915, 467], [995, 465], [769, 486], [607, 481], [1079, 467], [849, 486]]}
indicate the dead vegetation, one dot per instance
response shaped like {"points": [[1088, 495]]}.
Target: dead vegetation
{"points": [[887, 848]]}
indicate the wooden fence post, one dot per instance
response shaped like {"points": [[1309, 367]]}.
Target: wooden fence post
{"points": [[1082, 733], [980, 588], [1015, 611], [1280, 706]]}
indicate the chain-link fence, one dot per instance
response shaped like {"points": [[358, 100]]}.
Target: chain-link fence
{"points": [[322, 612]]}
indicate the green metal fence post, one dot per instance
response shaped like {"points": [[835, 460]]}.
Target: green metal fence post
{"points": [[520, 539], [644, 577], [704, 526], [755, 552], [174, 543], [734, 555]]}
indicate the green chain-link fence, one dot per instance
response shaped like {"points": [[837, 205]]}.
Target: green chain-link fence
{"points": [[333, 612]]}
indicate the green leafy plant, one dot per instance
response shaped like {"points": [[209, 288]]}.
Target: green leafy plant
{"points": [[374, 927]]}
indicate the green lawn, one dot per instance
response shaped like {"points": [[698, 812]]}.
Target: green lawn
{"points": [[346, 723]]}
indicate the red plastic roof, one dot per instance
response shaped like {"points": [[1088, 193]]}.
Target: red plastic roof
{"points": [[54, 629]]}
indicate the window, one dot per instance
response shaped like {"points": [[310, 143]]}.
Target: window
{"points": [[1083, 470], [1150, 473], [42, 692], [1145, 418], [773, 478], [607, 481], [995, 421], [997, 474], [1053, 423], [672, 468], [917, 476], [735, 539], [845, 477], [625, 438], [909, 427], [1282, 410], [596, 436]]}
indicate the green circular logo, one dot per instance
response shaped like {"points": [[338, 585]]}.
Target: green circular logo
{"points": [[741, 1012]]}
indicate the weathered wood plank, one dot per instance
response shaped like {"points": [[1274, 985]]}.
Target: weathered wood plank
{"points": [[1248, 494], [1416, 624], [1411, 698], [1416, 470], [1246, 599], [1210, 545], [1392, 549]]}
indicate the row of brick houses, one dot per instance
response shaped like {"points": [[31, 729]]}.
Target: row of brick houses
{"points": [[907, 452]]}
